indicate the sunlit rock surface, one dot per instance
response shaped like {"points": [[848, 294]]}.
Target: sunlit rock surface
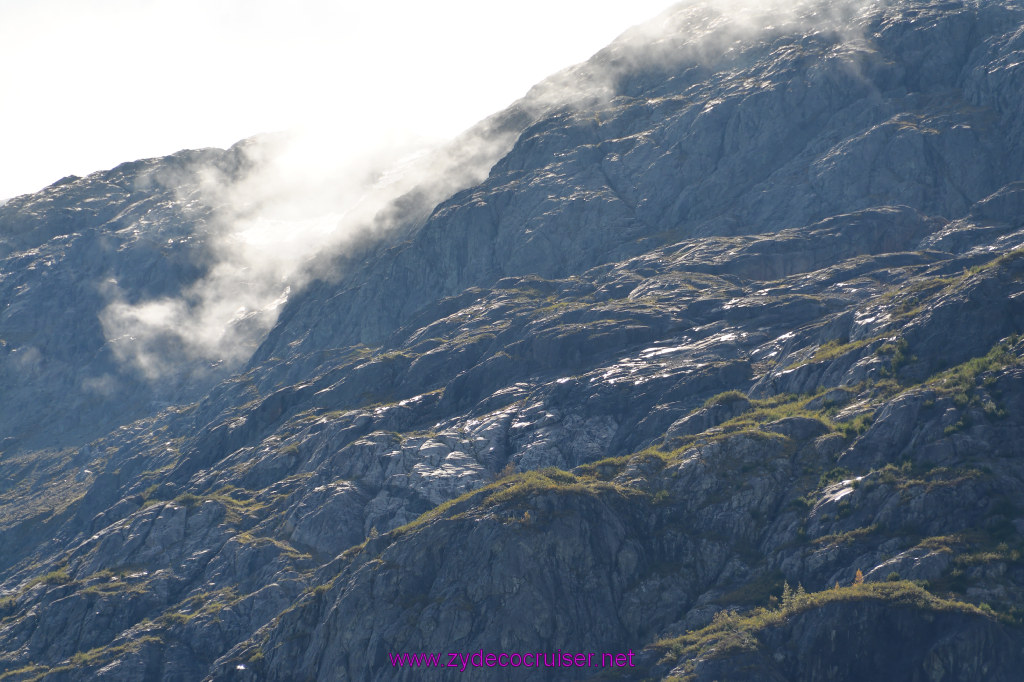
{"points": [[719, 364]]}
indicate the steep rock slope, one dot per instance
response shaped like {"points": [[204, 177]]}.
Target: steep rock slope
{"points": [[779, 132], [63, 253], [723, 368]]}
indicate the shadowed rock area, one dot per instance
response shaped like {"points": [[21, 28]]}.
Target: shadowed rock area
{"points": [[720, 364]]}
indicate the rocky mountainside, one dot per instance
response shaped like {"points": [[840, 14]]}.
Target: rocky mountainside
{"points": [[719, 365], [63, 250]]}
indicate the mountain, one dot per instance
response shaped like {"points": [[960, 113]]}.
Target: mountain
{"points": [[715, 365]]}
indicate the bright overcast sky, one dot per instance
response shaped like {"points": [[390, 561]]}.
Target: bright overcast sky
{"points": [[87, 84]]}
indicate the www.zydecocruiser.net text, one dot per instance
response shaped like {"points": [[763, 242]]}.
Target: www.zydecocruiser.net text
{"points": [[462, 661]]}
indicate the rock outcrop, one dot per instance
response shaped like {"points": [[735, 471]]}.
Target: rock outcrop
{"points": [[720, 365]]}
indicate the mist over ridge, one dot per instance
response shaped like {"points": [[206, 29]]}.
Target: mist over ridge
{"points": [[304, 198], [708, 351], [148, 78]]}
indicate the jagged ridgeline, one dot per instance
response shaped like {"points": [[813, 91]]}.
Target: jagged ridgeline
{"points": [[717, 363]]}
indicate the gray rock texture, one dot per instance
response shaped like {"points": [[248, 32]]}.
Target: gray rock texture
{"points": [[719, 363]]}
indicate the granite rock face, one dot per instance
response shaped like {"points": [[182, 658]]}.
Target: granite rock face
{"points": [[720, 364], [64, 251]]}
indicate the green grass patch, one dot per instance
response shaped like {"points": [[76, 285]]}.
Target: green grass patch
{"points": [[995, 262], [732, 632], [855, 426], [847, 537], [248, 538], [104, 654], [27, 673], [188, 500], [240, 505], [837, 348], [906, 476], [106, 583], [775, 408], [761, 413], [59, 576], [834, 476], [515, 487], [725, 398], [1002, 552], [468, 339], [608, 468], [551, 480], [391, 355], [558, 305], [203, 604], [960, 381], [940, 543]]}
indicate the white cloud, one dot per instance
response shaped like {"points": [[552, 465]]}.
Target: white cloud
{"points": [[270, 232], [88, 84], [367, 88]]}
